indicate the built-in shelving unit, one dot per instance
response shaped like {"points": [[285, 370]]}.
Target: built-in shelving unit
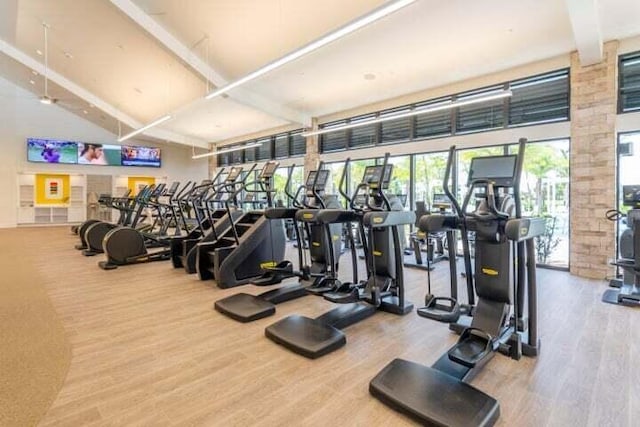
{"points": [[68, 211]]}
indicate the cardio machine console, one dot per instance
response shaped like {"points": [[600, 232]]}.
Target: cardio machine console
{"points": [[631, 195], [373, 176], [234, 173], [320, 182], [500, 170], [268, 170], [441, 201]]}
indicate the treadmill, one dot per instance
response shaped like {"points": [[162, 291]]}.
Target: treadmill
{"points": [[384, 288]]}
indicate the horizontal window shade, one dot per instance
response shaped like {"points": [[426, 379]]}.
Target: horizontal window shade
{"points": [[282, 146], [263, 152], [237, 156], [298, 144], [364, 135], [481, 116], [433, 124], [223, 159], [333, 141], [540, 99], [397, 130], [630, 82], [250, 155]]}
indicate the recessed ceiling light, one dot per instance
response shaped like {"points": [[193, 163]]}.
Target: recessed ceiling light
{"points": [[85, 111], [32, 82], [34, 72], [68, 55], [369, 76], [39, 52], [137, 90], [92, 106]]}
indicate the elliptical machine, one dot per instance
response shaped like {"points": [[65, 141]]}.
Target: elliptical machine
{"points": [[627, 290], [127, 245], [383, 289], [504, 249]]}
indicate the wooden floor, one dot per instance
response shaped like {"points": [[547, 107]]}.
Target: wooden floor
{"points": [[148, 349]]}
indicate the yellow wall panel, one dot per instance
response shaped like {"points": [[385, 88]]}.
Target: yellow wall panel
{"points": [[52, 189]]}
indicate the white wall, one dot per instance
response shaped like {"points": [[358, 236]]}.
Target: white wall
{"points": [[22, 116]]}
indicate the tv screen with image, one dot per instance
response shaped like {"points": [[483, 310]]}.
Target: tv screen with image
{"points": [[52, 151], [140, 156], [98, 154]]}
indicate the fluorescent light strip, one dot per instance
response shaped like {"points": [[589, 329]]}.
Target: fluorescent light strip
{"points": [[227, 150], [143, 128], [349, 28], [438, 107]]}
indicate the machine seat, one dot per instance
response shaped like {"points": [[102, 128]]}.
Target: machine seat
{"points": [[308, 337], [433, 397], [244, 307]]}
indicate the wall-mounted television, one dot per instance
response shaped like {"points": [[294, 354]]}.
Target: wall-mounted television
{"points": [[140, 156], [99, 154], [52, 151]]}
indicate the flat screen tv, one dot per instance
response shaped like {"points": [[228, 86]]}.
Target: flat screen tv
{"points": [[99, 154], [52, 151], [140, 156]]}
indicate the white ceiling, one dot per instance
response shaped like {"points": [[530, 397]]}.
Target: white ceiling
{"points": [[95, 45]]}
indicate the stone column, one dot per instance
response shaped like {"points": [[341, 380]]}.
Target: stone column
{"points": [[593, 163], [313, 149], [213, 163]]}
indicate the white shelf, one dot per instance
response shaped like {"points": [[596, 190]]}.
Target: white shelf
{"points": [[72, 211]]}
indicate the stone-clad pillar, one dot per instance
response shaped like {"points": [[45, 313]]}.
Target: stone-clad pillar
{"points": [[313, 149], [593, 163], [213, 163]]}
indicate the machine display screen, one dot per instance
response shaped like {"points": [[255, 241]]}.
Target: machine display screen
{"points": [[631, 195], [269, 169], [372, 176], [495, 168], [233, 174]]}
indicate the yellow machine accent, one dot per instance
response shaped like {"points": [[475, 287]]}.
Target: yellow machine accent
{"points": [[490, 271], [377, 253], [378, 220], [267, 264], [307, 216], [316, 244]]}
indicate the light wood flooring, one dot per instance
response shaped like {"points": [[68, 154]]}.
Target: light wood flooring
{"points": [[148, 349]]}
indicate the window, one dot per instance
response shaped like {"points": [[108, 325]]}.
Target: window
{"points": [[481, 116], [237, 157], [282, 146], [628, 171], [429, 175], [437, 123], [363, 136], [279, 181], [544, 191], [333, 141], [335, 173], [263, 152], [298, 144], [250, 155], [629, 92], [398, 130], [540, 99]]}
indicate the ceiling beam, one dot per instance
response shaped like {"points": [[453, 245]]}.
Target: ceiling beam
{"points": [[26, 60], [240, 95], [583, 15]]}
